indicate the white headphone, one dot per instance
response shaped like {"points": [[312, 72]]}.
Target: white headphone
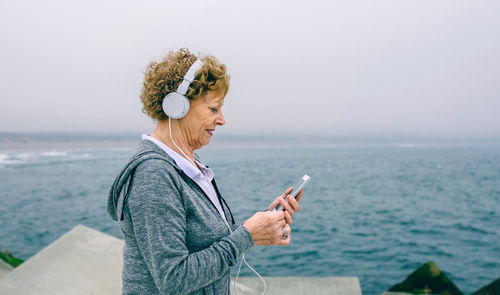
{"points": [[176, 104]]}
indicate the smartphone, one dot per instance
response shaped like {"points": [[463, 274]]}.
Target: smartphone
{"points": [[296, 189]]}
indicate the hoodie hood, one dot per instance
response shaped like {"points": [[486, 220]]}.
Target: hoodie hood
{"points": [[120, 188]]}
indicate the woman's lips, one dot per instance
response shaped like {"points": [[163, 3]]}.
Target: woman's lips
{"points": [[211, 131]]}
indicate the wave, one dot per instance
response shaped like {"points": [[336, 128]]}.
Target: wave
{"points": [[24, 156], [55, 154], [6, 159], [471, 228], [43, 157]]}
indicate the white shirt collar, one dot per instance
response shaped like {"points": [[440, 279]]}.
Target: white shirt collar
{"points": [[186, 166]]}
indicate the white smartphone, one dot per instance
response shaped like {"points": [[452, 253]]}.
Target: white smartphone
{"points": [[296, 189]]}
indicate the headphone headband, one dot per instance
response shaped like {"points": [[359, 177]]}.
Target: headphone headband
{"points": [[189, 77]]}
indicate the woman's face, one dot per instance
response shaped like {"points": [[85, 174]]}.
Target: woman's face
{"points": [[205, 113]]}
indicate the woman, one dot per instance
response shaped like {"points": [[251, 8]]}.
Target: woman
{"points": [[180, 236]]}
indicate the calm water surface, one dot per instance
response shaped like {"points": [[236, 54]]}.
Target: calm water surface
{"points": [[372, 211]]}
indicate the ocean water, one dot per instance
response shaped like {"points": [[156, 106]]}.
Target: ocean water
{"points": [[375, 211]]}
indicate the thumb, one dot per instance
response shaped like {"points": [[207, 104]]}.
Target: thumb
{"points": [[277, 200], [287, 192], [274, 203]]}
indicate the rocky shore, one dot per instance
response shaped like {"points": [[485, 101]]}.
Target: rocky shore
{"points": [[429, 279], [9, 259]]}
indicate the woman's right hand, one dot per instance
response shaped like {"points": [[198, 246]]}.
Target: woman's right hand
{"points": [[265, 228]]}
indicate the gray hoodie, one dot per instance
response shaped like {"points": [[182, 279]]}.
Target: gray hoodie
{"points": [[176, 242]]}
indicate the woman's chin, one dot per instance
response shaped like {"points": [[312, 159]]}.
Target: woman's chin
{"points": [[203, 142]]}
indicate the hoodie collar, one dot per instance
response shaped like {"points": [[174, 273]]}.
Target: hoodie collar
{"points": [[119, 190]]}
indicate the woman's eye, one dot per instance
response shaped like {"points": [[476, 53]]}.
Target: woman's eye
{"points": [[215, 110]]}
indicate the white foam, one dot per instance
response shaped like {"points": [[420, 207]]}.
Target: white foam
{"points": [[5, 159], [55, 154], [24, 156]]}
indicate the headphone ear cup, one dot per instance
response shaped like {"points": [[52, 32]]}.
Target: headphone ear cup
{"points": [[175, 106]]}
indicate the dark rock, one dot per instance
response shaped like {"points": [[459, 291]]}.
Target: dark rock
{"points": [[427, 279], [7, 257], [491, 289]]}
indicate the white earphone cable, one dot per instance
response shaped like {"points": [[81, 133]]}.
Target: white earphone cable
{"points": [[225, 221], [173, 142], [254, 271]]}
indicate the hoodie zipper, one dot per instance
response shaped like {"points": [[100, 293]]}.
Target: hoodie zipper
{"points": [[218, 196]]}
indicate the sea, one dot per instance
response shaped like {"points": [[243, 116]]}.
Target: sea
{"points": [[374, 209]]}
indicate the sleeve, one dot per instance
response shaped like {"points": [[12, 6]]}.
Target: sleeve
{"points": [[159, 224]]}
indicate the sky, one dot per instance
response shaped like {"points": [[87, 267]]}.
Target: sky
{"points": [[314, 67]]}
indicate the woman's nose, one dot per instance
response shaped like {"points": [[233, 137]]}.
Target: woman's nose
{"points": [[220, 120]]}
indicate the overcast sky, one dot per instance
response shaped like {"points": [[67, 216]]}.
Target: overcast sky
{"points": [[325, 67]]}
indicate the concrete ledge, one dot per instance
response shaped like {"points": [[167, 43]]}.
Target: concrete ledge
{"points": [[299, 285], [86, 261], [5, 268], [83, 261]]}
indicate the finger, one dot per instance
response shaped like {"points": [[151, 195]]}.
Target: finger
{"points": [[278, 215], [299, 195], [282, 232], [288, 218], [277, 200], [292, 202], [288, 229], [274, 203], [286, 241], [287, 192], [287, 206]]}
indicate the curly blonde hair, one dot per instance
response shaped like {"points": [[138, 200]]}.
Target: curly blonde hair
{"points": [[165, 76]]}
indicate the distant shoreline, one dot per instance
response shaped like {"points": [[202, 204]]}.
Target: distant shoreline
{"points": [[84, 140]]}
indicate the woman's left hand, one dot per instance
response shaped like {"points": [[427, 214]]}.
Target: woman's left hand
{"points": [[292, 206]]}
